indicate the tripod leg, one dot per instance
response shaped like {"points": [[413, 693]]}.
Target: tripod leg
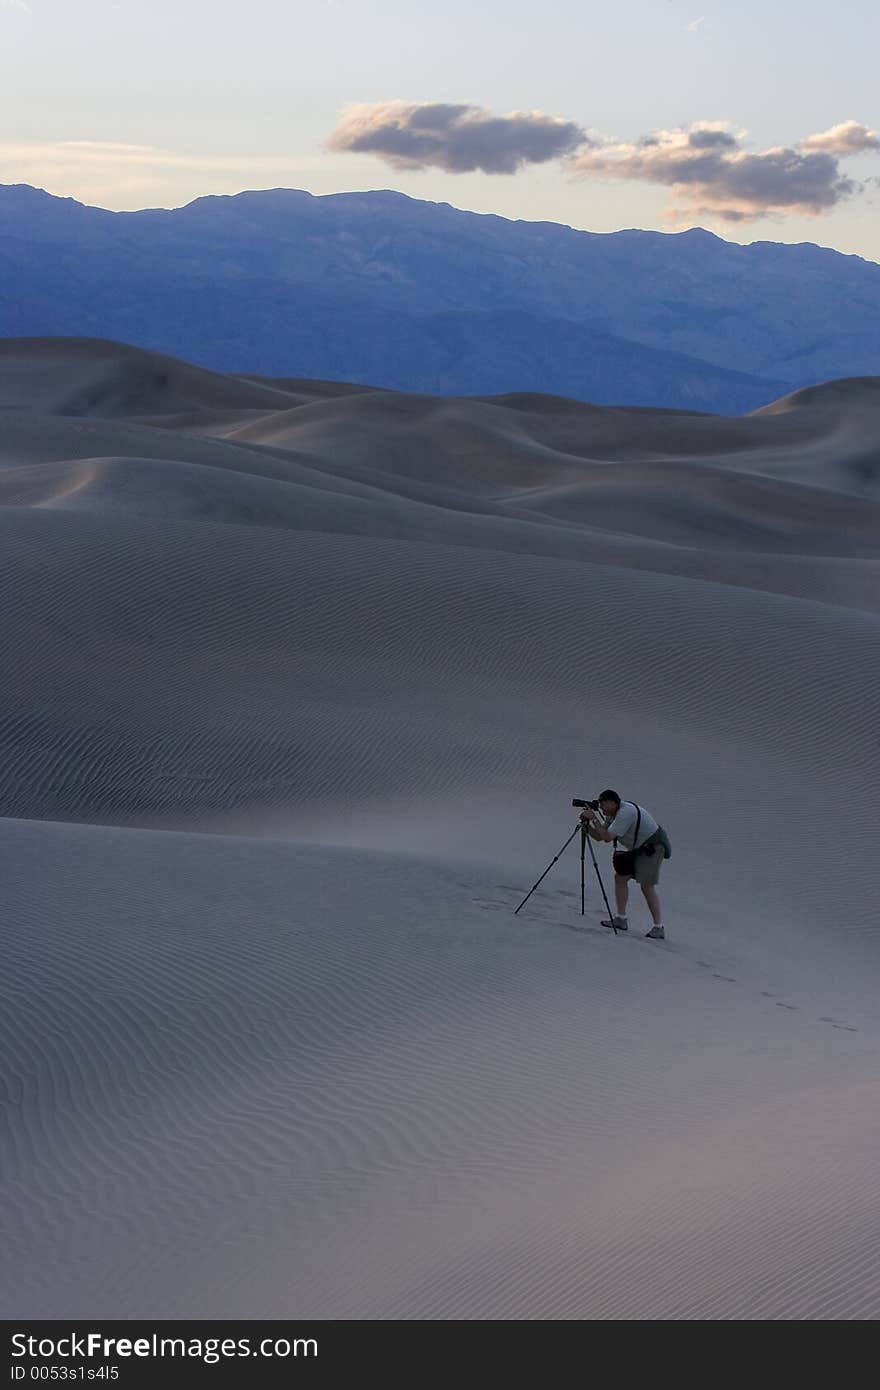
{"points": [[602, 886], [583, 848]]}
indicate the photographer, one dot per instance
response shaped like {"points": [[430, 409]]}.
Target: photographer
{"points": [[645, 846]]}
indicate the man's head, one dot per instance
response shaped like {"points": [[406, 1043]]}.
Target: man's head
{"points": [[609, 803]]}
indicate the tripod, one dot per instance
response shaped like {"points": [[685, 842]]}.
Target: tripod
{"points": [[585, 840]]}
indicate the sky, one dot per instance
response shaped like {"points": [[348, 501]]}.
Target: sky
{"points": [[757, 121]]}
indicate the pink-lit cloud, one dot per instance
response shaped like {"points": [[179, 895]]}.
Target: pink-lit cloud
{"points": [[710, 174], [847, 138]]}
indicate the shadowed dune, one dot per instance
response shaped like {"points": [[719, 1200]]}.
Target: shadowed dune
{"points": [[298, 684], [85, 376]]}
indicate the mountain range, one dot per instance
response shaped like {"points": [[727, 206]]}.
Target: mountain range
{"points": [[381, 289]]}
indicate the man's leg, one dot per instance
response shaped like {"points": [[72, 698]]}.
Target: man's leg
{"points": [[653, 900], [621, 893]]}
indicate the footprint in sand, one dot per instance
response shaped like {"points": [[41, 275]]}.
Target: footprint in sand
{"points": [[731, 979], [835, 1023], [767, 994], [792, 1007]]}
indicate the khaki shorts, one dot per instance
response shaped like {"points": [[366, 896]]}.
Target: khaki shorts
{"points": [[648, 867]]}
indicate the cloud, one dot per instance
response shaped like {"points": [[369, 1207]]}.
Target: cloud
{"points": [[847, 138], [456, 138], [695, 24], [112, 154], [706, 166], [16, 5], [709, 137], [116, 174], [710, 174]]}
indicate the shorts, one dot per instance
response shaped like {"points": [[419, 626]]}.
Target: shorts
{"points": [[648, 867]]}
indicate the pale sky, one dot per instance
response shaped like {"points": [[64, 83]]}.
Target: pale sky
{"points": [[756, 120]]}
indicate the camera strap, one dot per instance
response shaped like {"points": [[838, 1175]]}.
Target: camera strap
{"points": [[638, 824]]}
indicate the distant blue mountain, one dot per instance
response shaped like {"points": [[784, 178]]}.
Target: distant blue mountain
{"points": [[391, 291]]}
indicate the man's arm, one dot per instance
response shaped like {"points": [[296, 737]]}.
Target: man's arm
{"points": [[596, 826], [599, 832]]}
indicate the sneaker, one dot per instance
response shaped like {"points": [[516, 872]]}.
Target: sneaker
{"points": [[656, 934], [618, 924]]}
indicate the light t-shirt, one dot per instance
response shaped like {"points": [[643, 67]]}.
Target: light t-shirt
{"points": [[624, 824]]}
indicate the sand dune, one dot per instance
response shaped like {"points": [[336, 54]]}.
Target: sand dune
{"points": [[85, 376], [298, 686]]}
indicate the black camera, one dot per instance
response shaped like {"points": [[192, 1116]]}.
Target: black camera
{"points": [[593, 804]]}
